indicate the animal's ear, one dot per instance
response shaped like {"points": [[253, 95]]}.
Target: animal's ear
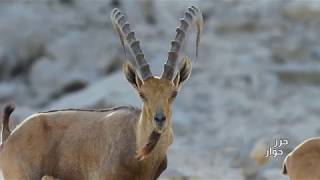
{"points": [[184, 72], [132, 76]]}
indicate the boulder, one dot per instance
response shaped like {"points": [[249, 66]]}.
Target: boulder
{"points": [[259, 151], [48, 79], [108, 91], [303, 11], [83, 55], [298, 73], [18, 57], [7, 91]]}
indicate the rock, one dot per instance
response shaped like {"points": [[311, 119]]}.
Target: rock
{"points": [[251, 172], [171, 174], [298, 73], [273, 173], [303, 11], [70, 55], [108, 91], [182, 122], [243, 20], [15, 90], [236, 87], [7, 91], [259, 151], [21, 55], [49, 80]]}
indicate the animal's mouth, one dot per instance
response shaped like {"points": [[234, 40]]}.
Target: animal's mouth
{"points": [[160, 120], [160, 124], [160, 127]]}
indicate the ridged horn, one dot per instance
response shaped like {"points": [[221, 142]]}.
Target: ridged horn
{"points": [[192, 16], [122, 26]]}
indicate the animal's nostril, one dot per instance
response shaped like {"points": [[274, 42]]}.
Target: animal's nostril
{"points": [[160, 119]]}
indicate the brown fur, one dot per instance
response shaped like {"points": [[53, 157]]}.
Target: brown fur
{"points": [[304, 161], [102, 144], [96, 144], [79, 145], [157, 95]]}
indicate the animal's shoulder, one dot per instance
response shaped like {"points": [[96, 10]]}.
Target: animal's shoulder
{"points": [[306, 147]]}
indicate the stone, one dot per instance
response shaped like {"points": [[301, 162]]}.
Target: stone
{"points": [[303, 11], [7, 91], [108, 91], [298, 73], [259, 151]]}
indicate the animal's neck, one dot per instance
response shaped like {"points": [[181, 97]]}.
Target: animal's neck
{"points": [[144, 130]]}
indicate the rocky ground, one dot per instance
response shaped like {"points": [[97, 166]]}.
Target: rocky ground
{"points": [[256, 79]]}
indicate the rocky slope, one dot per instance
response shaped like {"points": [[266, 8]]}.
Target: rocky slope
{"points": [[256, 79]]}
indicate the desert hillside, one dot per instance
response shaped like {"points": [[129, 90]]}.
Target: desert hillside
{"points": [[256, 79]]}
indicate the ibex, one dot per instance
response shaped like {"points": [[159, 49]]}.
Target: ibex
{"points": [[121, 143], [303, 162]]}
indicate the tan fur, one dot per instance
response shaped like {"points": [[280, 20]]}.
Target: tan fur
{"points": [[78, 145], [96, 144], [116, 144], [304, 161]]}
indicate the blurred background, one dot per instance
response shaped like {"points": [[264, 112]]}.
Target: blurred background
{"points": [[256, 79]]}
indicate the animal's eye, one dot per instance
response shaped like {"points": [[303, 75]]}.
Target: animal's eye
{"points": [[174, 94], [142, 96]]}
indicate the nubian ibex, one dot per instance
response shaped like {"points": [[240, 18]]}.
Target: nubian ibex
{"points": [[122, 143], [303, 162]]}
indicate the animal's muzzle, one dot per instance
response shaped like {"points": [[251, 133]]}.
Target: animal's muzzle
{"points": [[160, 119]]}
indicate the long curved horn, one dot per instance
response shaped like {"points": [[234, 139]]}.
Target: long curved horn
{"points": [[122, 26], [192, 16]]}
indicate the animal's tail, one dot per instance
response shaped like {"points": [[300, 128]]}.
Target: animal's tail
{"points": [[8, 109]]}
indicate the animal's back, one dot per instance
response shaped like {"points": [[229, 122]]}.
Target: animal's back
{"points": [[303, 162], [69, 144]]}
